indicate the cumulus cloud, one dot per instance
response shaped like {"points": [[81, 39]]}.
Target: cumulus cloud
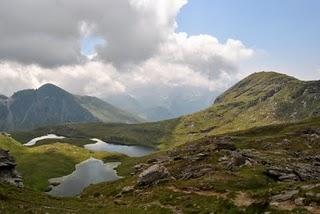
{"points": [[48, 33], [93, 78], [142, 54]]}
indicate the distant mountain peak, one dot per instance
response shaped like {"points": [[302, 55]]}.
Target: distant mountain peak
{"points": [[49, 86], [257, 84], [268, 75], [52, 105], [263, 98]]}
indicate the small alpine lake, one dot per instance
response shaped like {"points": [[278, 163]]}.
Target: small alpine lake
{"points": [[91, 171], [131, 151]]}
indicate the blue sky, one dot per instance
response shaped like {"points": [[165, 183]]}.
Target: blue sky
{"points": [[285, 33], [89, 44]]}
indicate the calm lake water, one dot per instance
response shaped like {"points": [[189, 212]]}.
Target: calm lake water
{"points": [[49, 136], [131, 151], [91, 171]]}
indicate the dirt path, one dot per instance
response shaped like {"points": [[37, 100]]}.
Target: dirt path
{"points": [[170, 207], [242, 199]]}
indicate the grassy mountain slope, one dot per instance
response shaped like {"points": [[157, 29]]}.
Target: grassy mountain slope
{"points": [[51, 105], [106, 112], [239, 189], [260, 99]]}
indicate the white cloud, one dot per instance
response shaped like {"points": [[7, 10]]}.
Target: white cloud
{"points": [[48, 33], [204, 53], [143, 55], [93, 78]]}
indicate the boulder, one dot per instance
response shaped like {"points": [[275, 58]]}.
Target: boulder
{"points": [[194, 171], [236, 160], [153, 175], [284, 196], [139, 168], [295, 172], [300, 201], [281, 174], [307, 172]]}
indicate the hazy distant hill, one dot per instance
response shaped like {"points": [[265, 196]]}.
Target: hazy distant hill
{"points": [[51, 105], [159, 108], [261, 99], [106, 112]]}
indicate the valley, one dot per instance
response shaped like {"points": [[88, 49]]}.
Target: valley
{"points": [[159, 107], [227, 173]]}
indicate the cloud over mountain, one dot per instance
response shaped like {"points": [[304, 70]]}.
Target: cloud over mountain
{"points": [[143, 54]]}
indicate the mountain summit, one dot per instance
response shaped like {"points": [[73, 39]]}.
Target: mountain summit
{"points": [[260, 99], [51, 105]]}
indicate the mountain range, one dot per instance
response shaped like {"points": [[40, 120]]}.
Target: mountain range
{"points": [[51, 105], [254, 150], [263, 98]]}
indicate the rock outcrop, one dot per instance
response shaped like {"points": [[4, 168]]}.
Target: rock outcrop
{"points": [[8, 172], [153, 175], [295, 172]]}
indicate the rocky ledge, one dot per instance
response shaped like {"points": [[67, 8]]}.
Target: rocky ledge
{"points": [[8, 172]]}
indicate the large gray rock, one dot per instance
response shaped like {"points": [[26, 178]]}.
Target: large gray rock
{"points": [[237, 159], [153, 175], [281, 174], [307, 172], [8, 172], [295, 172], [285, 196], [194, 171]]}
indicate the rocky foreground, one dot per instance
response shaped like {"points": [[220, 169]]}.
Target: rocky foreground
{"points": [[265, 173], [8, 172], [272, 169]]}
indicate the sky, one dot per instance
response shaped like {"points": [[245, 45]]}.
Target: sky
{"points": [[285, 33], [158, 52]]}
